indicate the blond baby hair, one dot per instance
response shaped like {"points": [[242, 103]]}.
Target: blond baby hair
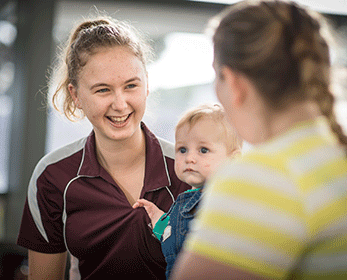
{"points": [[216, 113]]}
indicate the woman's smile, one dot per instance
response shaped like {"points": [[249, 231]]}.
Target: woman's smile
{"points": [[119, 121]]}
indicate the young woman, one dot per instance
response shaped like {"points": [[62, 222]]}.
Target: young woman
{"points": [[80, 197], [280, 211]]}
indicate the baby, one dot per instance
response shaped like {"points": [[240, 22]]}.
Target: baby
{"points": [[204, 139]]}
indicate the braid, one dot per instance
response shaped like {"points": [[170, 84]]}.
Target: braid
{"points": [[311, 52], [326, 103]]}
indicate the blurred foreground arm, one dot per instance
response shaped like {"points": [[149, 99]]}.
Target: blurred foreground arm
{"points": [[190, 265]]}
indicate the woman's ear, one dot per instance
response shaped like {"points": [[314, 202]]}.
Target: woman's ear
{"points": [[73, 92], [237, 84], [147, 85]]}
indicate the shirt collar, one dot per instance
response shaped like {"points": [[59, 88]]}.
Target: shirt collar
{"points": [[156, 170], [156, 173], [90, 166]]}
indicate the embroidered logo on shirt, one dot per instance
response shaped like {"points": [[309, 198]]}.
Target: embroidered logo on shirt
{"points": [[166, 233]]}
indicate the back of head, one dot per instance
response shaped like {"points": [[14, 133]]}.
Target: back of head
{"points": [[85, 40], [215, 113], [282, 49]]}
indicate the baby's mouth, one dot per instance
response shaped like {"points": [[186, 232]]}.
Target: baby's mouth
{"points": [[189, 170]]}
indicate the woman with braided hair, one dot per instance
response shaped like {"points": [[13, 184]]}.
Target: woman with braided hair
{"points": [[80, 197], [280, 211]]}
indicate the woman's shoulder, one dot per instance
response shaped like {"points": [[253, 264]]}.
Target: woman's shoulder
{"points": [[255, 169], [167, 147], [60, 154]]}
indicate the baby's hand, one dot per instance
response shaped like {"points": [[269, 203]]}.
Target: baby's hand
{"points": [[153, 211]]}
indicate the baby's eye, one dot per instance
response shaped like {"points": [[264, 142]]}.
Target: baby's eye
{"points": [[182, 150], [131, 86], [204, 150]]}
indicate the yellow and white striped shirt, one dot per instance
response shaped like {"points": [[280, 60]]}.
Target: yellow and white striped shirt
{"points": [[281, 209]]}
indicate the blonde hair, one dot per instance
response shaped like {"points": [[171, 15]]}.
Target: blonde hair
{"points": [[84, 41], [283, 49], [216, 113]]}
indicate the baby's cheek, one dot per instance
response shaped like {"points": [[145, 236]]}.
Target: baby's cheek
{"points": [[212, 166]]}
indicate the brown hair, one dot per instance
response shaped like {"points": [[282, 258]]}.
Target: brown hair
{"points": [[216, 113], [281, 47], [84, 40]]}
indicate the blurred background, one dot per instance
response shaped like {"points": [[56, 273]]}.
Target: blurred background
{"points": [[180, 76]]}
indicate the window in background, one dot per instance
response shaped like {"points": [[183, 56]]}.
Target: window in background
{"points": [[181, 78], [8, 33]]}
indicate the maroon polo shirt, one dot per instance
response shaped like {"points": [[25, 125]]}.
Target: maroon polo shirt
{"points": [[74, 204]]}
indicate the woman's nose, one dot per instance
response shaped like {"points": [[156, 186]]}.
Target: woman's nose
{"points": [[119, 101]]}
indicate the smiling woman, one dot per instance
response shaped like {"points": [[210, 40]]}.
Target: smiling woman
{"points": [[112, 93], [80, 196]]}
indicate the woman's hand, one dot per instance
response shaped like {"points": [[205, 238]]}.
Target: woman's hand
{"points": [[152, 210]]}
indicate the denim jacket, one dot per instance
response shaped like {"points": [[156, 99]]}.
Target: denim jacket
{"points": [[181, 213]]}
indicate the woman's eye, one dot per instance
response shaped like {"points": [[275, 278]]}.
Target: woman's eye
{"points": [[204, 150], [103, 90], [182, 150]]}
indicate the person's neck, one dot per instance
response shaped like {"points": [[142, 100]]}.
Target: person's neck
{"points": [[122, 154], [277, 123]]}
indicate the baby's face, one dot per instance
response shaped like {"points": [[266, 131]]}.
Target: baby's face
{"points": [[199, 150]]}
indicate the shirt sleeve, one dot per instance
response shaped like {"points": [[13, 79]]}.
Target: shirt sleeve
{"points": [[160, 226], [41, 228], [251, 218]]}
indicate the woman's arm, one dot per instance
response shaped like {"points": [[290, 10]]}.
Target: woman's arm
{"points": [[190, 265], [46, 266]]}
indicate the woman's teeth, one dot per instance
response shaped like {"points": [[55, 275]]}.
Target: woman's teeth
{"points": [[119, 119]]}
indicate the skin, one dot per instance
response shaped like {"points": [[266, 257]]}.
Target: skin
{"points": [[253, 119], [154, 213], [256, 123], [46, 266], [112, 90]]}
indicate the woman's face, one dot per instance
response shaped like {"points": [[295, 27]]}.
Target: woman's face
{"points": [[238, 116], [112, 91], [244, 107], [223, 91]]}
